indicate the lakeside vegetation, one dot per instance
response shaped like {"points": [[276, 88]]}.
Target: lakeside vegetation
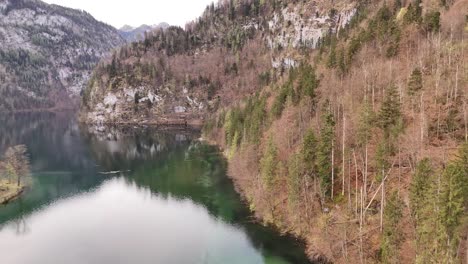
{"points": [[14, 173]]}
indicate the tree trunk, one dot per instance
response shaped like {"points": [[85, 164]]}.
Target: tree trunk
{"points": [[466, 126], [333, 168], [356, 180], [365, 173], [382, 202], [344, 163]]}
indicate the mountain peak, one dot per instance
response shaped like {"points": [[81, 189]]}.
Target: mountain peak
{"points": [[137, 33], [126, 28]]}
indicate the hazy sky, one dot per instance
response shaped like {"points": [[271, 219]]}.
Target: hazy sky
{"points": [[136, 12]]}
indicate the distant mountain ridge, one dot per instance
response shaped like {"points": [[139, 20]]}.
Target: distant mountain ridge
{"points": [[132, 34], [47, 53]]}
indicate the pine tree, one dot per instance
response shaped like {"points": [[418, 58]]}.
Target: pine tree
{"points": [[365, 123], [331, 63], [324, 153], [413, 13], [342, 68], [390, 112], [392, 234], [268, 164], [309, 153], [381, 159], [452, 201], [432, 21], [419, 188], [441, 210], [308, 82], [294, 178], [415, 82], [462, 162]]}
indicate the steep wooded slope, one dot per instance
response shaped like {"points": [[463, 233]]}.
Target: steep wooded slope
{"points": [[359, 150], [47, 53]]}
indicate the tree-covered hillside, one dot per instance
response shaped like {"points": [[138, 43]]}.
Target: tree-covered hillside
{"points": [[229, 52]]}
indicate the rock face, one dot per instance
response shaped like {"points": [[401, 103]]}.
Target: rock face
{"points": [[145, 104], [47, 53]]}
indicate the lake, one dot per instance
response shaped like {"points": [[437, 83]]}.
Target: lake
{"points": [[128, 195]]}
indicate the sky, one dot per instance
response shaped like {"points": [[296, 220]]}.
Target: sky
{"points": [[137, 12]]}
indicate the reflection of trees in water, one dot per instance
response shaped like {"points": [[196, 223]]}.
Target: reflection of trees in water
{"points": [[52, 139], [128, 147], [198, 172], [21, 226], [60, 162]]}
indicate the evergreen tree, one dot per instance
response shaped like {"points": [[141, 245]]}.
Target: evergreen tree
{"points": [[342, 68], [309, 153], [268, 164], [462, 162], [324, 153], [392, 234], [280, 100], [431, 21], [420, 187], [381, 159], [365, 123], [413, 13], [308, 82], [331, 63], [441, 210], [294, 178], [415, 82], [452, 197], [390, 112]]}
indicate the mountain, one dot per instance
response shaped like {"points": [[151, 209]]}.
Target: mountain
{"points": [[132, 34], [47, 53], [343, 122], [179, 72]]}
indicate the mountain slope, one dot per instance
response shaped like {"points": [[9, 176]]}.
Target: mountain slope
{"points": [[47, 53], [344, 122], [176, 74]]}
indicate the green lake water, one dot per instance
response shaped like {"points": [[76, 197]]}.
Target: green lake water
{"points": [[170, 203]]}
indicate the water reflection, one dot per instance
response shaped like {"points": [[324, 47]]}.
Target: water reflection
{"points": [[162, 230], [171, 201]]}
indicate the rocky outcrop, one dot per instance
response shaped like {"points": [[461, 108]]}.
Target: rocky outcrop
{"points": [[47, 53], [306, 25], [145, 105]]}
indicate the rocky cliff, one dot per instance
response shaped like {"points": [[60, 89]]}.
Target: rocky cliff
{"points": [[47, 53]]}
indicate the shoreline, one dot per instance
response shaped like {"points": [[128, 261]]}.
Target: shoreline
{"points": [[40, 110], [313, 256], [11, 196], [169, 124]]}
